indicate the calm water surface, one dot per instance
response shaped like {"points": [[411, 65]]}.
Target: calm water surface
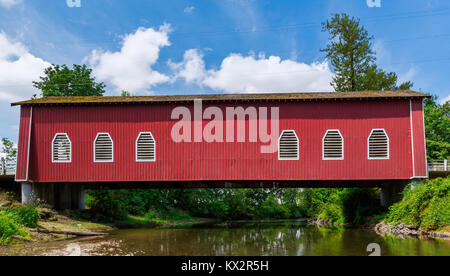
{"points": [[282, 238]]}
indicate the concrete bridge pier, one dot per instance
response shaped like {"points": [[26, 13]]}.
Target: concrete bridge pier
{"points": [[27, 189], [392, 193], [60, 196]]}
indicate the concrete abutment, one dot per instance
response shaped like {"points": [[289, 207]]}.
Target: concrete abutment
{"points": [[392, 193], [60, 196]]}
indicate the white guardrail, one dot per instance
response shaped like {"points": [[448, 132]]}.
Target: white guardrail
{"points": [[438, 166], [7, 168]]}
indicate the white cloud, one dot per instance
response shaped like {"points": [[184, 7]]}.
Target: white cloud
{"points": [[409, 75], [9, 3], [191, 69], [189, 9], [446, 99], [251, 74], [18, 69], [131, 68]]}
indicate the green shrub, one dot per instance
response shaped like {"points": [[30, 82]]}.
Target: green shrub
{"points": [[349, 205], [134, 201], [152, 214], [107, 203], [9, 226], [332, 212], [217, 209], [271, 208], [175, 214], [359, 204], [426, 205], [27, 216], [172, 214]]}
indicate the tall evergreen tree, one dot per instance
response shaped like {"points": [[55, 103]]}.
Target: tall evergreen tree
{"points": [[350, 53]]}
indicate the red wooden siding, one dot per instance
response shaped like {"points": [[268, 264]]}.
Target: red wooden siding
{"points": [[224, 161], [420, 156], [22, 154]]}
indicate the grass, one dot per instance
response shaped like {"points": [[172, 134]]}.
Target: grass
{"points": [[137, 220], [160, 217]]}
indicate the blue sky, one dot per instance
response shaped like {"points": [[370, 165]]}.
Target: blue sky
{"points": [[211, 46]]}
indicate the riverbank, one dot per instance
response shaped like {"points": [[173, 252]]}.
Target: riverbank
{"points": [[56, 226], [386, 229], [410, 231], [63, 226]]}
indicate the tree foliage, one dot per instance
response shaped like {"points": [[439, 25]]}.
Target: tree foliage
{"points": [[335, 205], [437, 130], [427, 205], [60, 80], [125, 93], [210, 203], [9, 150], [350, 53]]}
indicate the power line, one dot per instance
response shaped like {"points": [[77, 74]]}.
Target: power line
{"points": [[404, 15], [261, 74]]}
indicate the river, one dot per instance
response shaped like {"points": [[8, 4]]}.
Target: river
{"points": [[268, 238]]}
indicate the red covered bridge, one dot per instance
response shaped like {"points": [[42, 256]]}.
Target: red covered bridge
{"points": [[354, 139]]}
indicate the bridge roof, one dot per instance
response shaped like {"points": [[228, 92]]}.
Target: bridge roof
{"points": [[365, 95]]}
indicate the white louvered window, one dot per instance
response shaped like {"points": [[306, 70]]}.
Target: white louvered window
{"points": [[378, 144], [288, 146], [103, 148], [333, 145], [61, 149], [145, 147]]}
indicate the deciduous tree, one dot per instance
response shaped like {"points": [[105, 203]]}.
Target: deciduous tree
{"points": [[9, 150], [60, 80], [437, 122]]}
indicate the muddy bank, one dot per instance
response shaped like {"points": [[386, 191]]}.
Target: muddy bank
{"points": [[383, 229]]}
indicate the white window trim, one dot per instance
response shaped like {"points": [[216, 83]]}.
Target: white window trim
{"points": [[323, 145], [298, 146], [53, 149], [136, 149], [112, 143], [388, 146]]}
